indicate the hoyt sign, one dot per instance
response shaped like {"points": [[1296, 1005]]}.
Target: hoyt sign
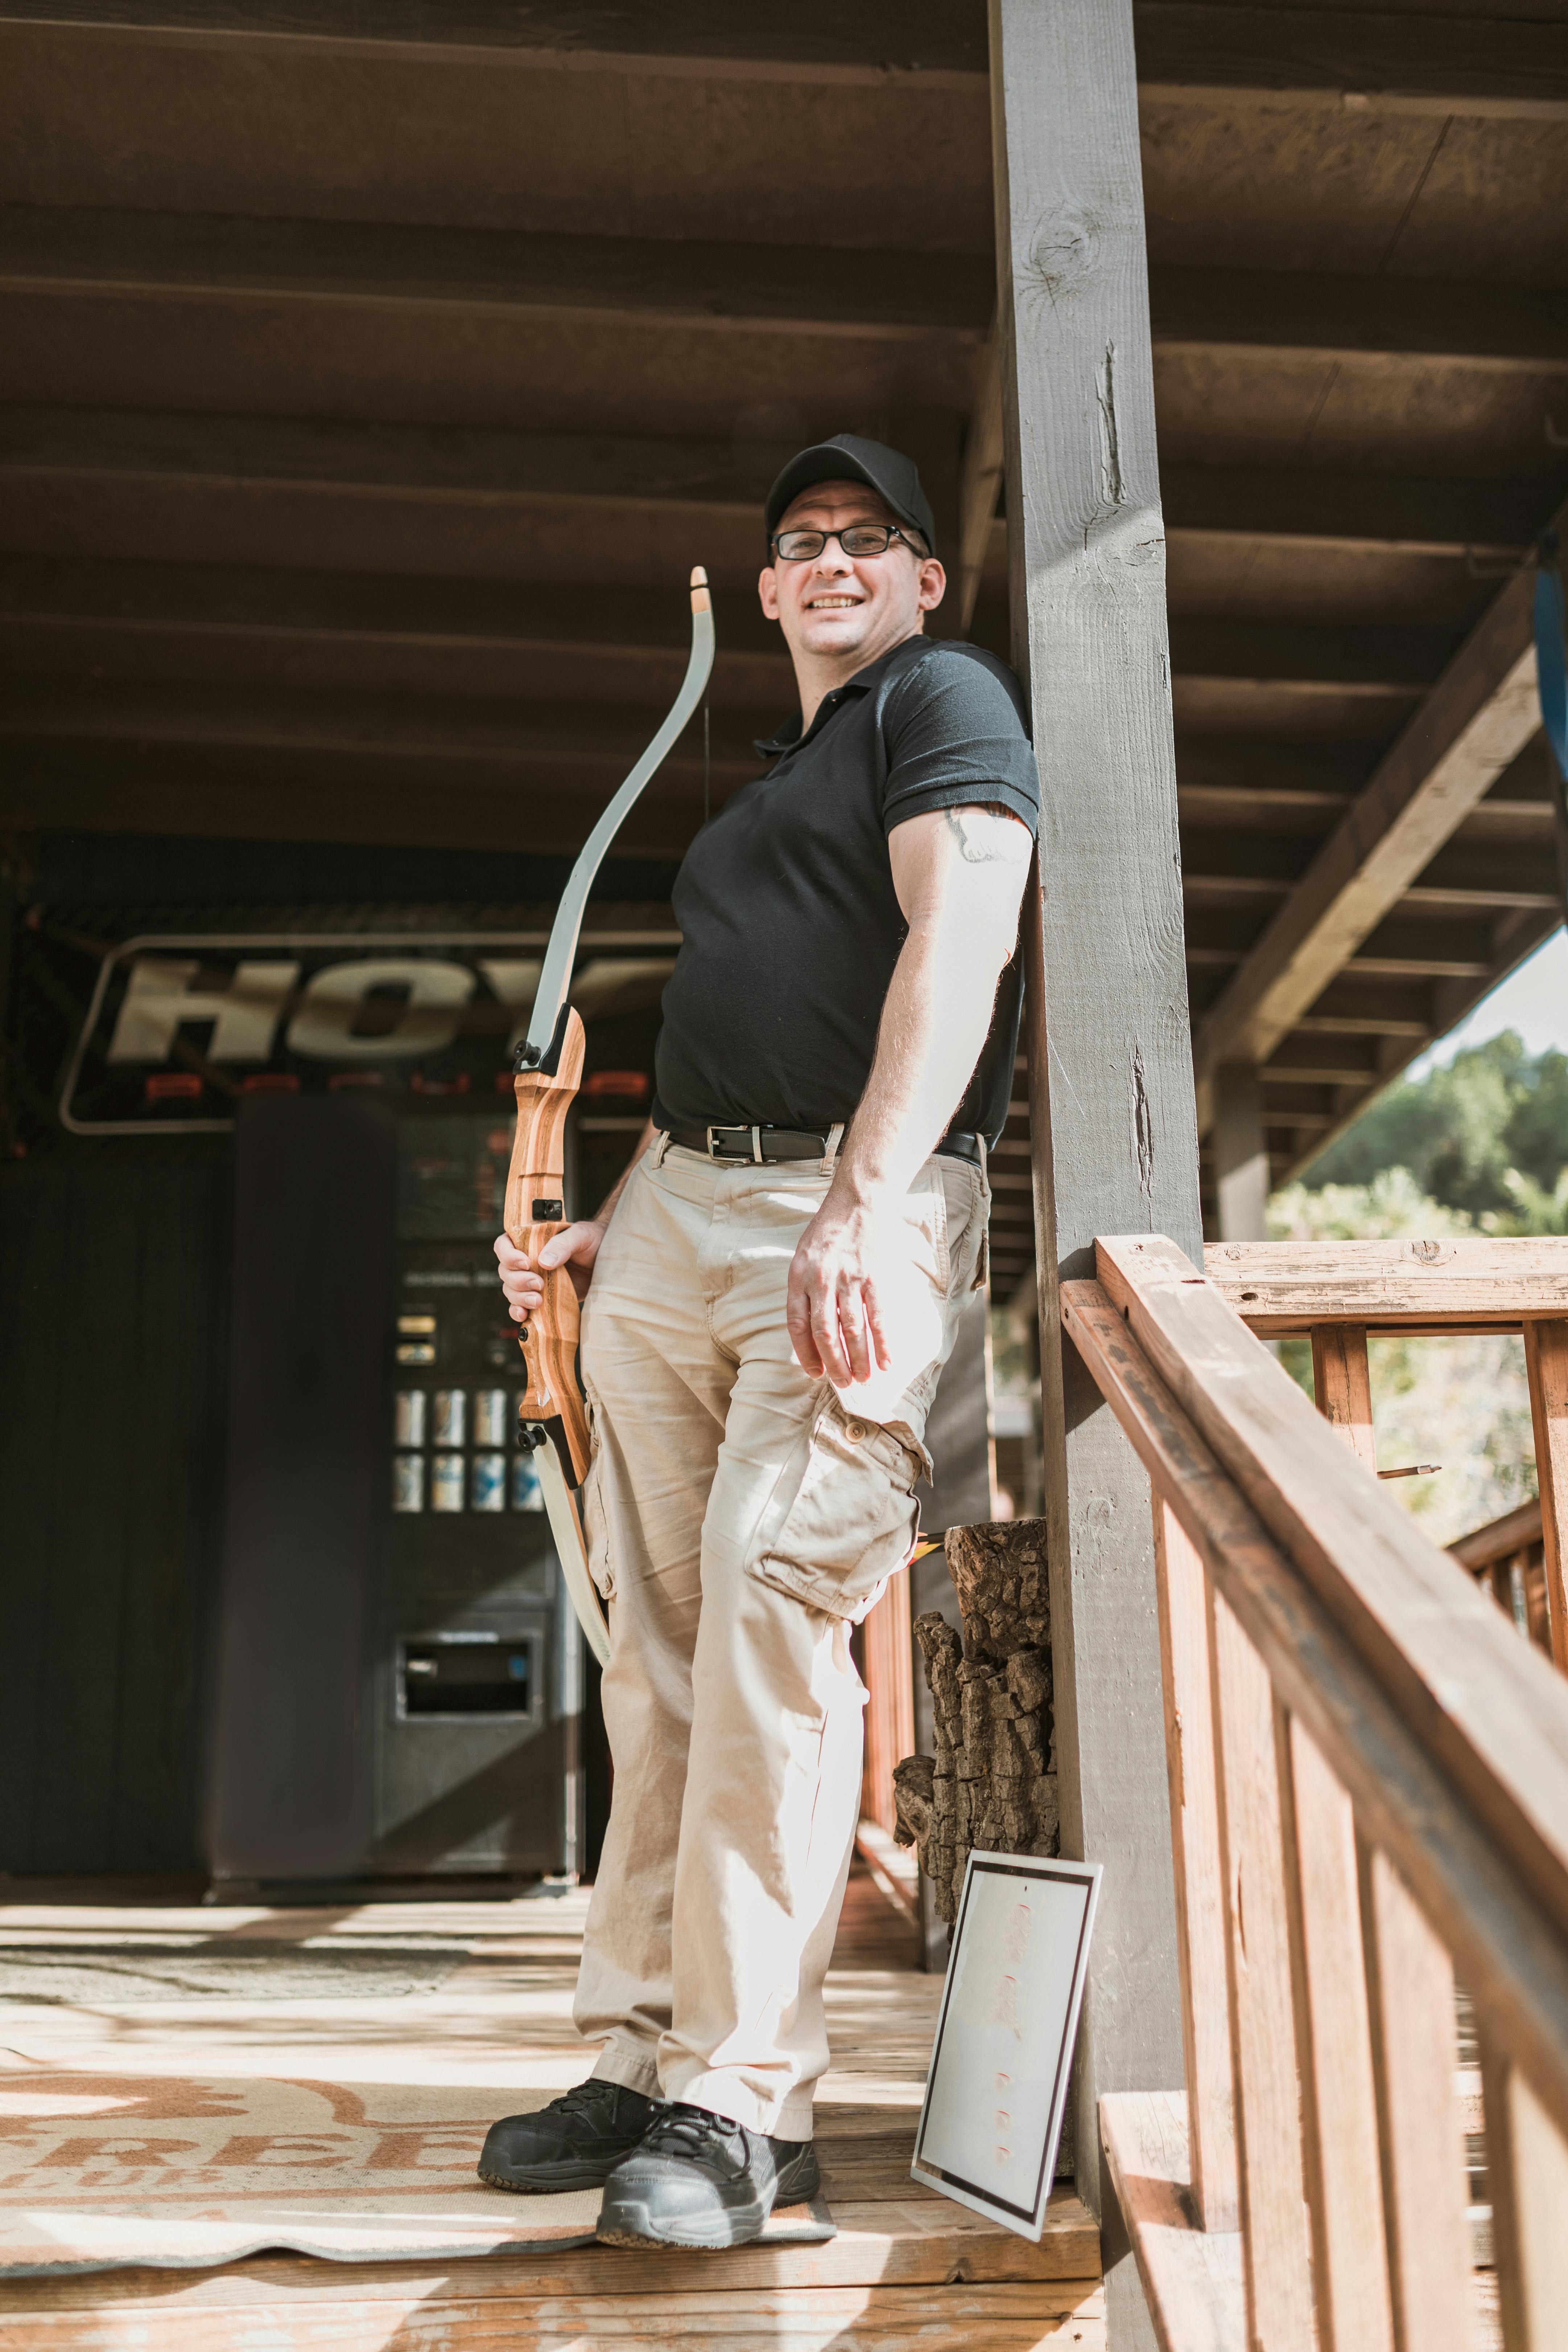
{"points": [[180, 1029]]}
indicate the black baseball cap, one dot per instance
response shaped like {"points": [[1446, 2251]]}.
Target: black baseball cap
{"points": [[847, 458]]}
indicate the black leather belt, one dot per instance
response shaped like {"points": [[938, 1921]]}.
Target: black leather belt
{"points": [[761, 1145]]}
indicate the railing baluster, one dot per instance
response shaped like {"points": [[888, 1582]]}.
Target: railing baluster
{"points": [[1410, 1981], [1200, 1886], [1267, 2100], [1339, 2098], [1342, 1382], [1527, 2160], [1546, 1363]]}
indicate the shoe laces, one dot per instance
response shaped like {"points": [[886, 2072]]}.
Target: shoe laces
{"points": [[678, 2129], [588, 2099]]}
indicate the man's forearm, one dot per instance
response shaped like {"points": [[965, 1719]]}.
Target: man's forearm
{"points": [[934, 1027]]}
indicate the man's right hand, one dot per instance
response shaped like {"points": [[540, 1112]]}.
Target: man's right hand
{"points": [[575, 1248]]}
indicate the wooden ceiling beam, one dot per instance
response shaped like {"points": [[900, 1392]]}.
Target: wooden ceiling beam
{"points": [[1363, 59], [80, 249], [314, 453], [507, 615], [1360, 59], [1474, 723], [1374, 511], [427, 462], [511, 616], [388, 727], [301, 792], [811, 40], [1395, 318], [1293, 654]]}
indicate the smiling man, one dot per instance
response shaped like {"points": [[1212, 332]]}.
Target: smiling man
{"points": [[770, 1295]]}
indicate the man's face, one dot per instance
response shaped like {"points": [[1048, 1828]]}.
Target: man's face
{"points": [[847, 606]]}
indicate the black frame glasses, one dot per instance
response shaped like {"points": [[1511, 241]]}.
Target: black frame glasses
{"points": [[855, 538]]}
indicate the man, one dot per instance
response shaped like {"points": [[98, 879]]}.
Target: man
{"points": [[770, 1295]]}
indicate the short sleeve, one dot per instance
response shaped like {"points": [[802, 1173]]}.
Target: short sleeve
{"points": [[953, 728]]}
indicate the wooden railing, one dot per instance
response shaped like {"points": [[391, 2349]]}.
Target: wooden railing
{"points": [[1508, 1556], [1369, 1798], [1337, 1292]]}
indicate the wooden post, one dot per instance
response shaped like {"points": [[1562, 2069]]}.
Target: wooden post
{"points": [[1111, 1085], [1546, 1363], [1342, 1384], [1240, 1154]]}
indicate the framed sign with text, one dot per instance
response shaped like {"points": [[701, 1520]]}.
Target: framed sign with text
{"points": [[179, 1027]]}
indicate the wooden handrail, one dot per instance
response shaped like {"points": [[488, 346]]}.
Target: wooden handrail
{"points": [[1369, 1791], [1393, 1285]]}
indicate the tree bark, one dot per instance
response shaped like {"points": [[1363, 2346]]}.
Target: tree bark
{"points": [[992, 1783]]}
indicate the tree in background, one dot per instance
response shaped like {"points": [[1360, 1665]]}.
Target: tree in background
{"points": [[1461, 1402], [1485, 1134]]}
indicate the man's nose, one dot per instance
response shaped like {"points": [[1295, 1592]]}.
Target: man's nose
{"points": [[833, 563]]}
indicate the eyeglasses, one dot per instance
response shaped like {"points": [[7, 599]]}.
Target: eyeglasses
{"points": [[855, 538]]}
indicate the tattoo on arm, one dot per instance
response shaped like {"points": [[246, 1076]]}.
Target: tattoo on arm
{"points": [[989, 834]]}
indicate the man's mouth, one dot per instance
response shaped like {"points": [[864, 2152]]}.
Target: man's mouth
{"points": [[834, 604]]}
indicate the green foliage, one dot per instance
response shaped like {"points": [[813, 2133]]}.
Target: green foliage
{"points": [[1485, 1134]]}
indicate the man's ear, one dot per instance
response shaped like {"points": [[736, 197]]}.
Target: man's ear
{"points": [[768, 591], [933, 585]]}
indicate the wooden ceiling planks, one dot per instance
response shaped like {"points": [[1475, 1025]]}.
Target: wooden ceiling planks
{"points": [[371, 371]]}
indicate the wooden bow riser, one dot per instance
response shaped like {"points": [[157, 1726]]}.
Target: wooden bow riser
{"points": [[536, 1183]]}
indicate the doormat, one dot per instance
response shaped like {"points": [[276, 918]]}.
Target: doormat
{"points": [[89, 1976], [99, 2171]]}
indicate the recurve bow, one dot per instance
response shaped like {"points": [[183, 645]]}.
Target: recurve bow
{"points": [[551, 1416]]}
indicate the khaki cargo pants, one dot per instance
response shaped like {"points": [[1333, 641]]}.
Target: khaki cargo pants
{"points": [[739, 1517]]}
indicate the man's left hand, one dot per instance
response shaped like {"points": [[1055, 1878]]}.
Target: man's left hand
{"points": [[836, 1315]]}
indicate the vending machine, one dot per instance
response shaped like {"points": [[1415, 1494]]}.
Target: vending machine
{"points": [[400, 1689], [478, 1682]]}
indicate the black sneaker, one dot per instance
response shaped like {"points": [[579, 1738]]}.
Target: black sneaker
{"points": [[574, 2143], [698, 2179]]}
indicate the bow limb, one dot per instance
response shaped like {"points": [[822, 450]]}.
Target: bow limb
{"points": [[549, 1073]]}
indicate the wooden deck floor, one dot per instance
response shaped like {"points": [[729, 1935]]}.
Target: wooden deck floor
{"points": [[906, 2270]]}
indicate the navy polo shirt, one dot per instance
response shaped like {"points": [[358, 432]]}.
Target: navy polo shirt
{"points": [[790, 928]]}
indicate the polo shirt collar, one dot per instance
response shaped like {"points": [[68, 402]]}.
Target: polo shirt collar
{"points": [[789, 736]]}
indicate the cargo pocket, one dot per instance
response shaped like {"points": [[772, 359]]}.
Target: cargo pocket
{"points": [[843, 1516]]}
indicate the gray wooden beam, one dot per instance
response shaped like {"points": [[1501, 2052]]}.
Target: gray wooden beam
{"points": [[1477, 718], [1240, 1157], [1115, 1144]]}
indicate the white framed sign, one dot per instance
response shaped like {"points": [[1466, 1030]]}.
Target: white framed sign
{"points": [[997, 2091]]}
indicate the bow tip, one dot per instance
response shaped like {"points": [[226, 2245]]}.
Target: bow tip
{"points": [[700, 602]]}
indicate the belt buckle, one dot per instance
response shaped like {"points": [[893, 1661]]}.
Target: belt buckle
{"points": [[736, 1158]]}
